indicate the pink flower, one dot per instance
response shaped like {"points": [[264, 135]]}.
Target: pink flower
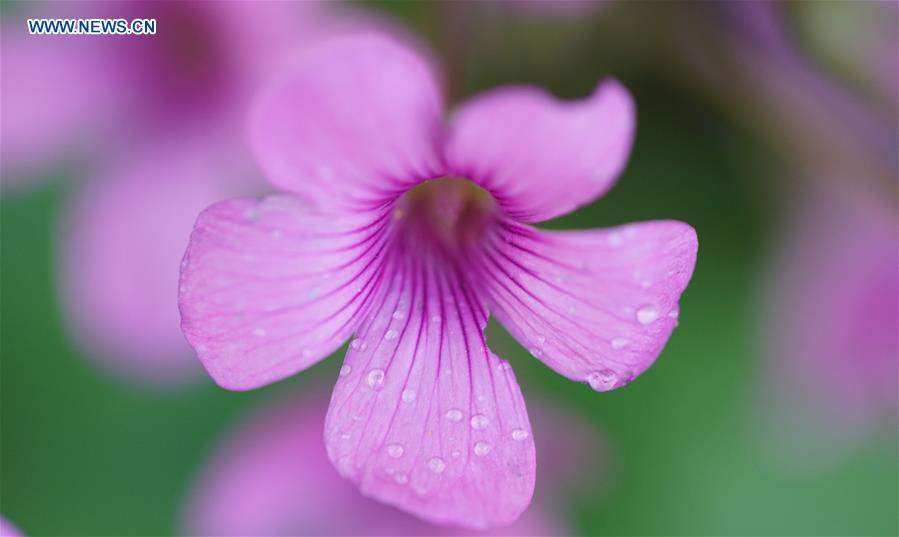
{"points": [[832, 326], [271, 476], [404, 236], [184, 94], [67, 96], [120, 238]]}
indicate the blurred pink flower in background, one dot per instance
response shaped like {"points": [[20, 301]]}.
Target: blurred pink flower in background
{"points": [[424, 416], [121, 242], [200, 67], [271, 476], [831, 324], [180, 148], [159, 123], [829, 338], [41, 129]]}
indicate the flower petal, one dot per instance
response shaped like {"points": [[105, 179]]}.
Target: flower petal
{"points": [[269, 287], [357, 119], [596, 306], [541, 157], [424, 416]]}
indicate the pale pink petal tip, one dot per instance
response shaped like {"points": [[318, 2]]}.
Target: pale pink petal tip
{"points": [[597, 306]]}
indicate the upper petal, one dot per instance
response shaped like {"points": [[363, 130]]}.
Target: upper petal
{"points": [[424, 416], [357, 119], [596, 306], [541, 157], [269, 287]]}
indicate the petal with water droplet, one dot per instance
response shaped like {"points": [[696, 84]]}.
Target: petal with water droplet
{"points": [[600, 326], [246, 299], [454, 446]]}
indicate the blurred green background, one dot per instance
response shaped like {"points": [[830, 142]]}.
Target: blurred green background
{"points": [[83, 453]]}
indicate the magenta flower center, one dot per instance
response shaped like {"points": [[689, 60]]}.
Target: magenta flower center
{"points": [[446, 216]]}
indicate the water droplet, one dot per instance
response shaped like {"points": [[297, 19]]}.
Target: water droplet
{"points": [[602, 380], [395, 450], [437, 465], [674, 313], [307, 353], [259, 332], [454, 414], [436, 319], [646, 284], [647, 314], [358, 344], [541, 339], [536, 352], [401, 479], [313, 293], [571, 310], [408, 396], [456, 453], [391, 335], [614, 239], [619, 343], [345, 436], [481, 449], [399, 315], [345, 370], [375, 379], [479, 421], [519, 434]]}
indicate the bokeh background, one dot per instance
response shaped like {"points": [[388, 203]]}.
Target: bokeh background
{"points": [[771, 127]]}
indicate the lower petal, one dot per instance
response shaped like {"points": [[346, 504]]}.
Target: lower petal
{"points": [[269, 287], [424, 416], [270, 476], [596, 306]]}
